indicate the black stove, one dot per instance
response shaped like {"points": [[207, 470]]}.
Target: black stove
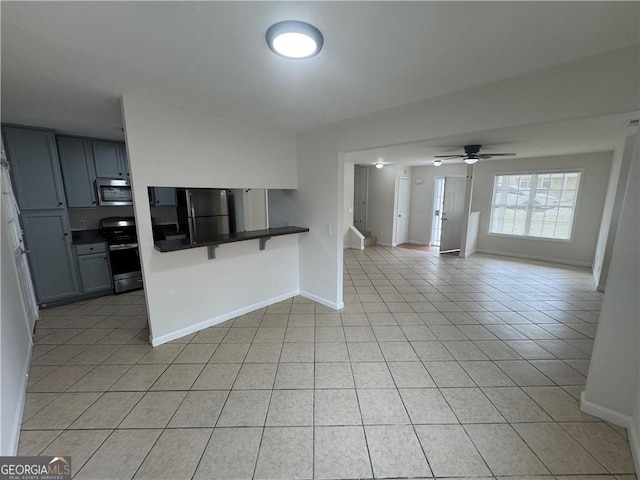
{"points": [[124, 256]]}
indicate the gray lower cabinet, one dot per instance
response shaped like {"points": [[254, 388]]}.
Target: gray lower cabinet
{"points": [[34, 167], [50, 256], [78, 171], [93, 267]]}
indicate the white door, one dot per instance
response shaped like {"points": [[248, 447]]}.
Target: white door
{"points": [[436, 223], [360, 197], [402, 219], [452, 213]]}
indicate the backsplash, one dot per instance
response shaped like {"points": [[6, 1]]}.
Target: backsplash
{"points": [[92, 216]]}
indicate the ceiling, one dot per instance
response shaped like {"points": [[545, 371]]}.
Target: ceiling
{"points": [[561, 138], [66, 64]]}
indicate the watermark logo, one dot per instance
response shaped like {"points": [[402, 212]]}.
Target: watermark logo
{"points": [[35, 468]]}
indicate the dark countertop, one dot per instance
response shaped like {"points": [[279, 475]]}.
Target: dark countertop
{"points": [[79, 237], [174, 245]]}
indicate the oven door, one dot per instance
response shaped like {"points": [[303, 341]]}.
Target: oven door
{"points": [[125, 266]]}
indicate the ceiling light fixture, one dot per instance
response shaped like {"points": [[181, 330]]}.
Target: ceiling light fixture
{"points": [[471, 159], [294, 39], [437, 163], [379, 165]]}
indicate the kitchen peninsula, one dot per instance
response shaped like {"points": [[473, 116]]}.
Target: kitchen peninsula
{"points": [[214, 241]]}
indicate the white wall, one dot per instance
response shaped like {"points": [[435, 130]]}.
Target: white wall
{"points": [[422, 207], [15, 350], [171, 146], [593, 187], [381, 203], [612, 207], [282, 211], [568, 91], [613, 385]]}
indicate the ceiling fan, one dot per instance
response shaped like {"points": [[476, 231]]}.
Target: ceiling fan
{"points": [[471, 155]]}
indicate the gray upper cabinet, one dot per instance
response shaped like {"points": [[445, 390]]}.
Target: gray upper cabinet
{"points": [[163, 196], [110, 159], [78, 171], [35, 168], [50, 255]]}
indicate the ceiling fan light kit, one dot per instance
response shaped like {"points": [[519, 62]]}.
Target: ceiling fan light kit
{"points": [[471, 155], [437, 163]]}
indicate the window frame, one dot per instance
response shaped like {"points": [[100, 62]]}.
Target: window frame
{"points": [[578, 196]]}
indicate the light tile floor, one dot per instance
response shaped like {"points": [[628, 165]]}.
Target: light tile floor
{"points": [[436, 367]]}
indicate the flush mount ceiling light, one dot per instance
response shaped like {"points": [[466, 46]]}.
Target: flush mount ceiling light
{"points": [[437, 163], [379, 165], [294, 39], [471, 159]]}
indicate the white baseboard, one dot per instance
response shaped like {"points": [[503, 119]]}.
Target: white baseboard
{"points": [[155, 341], [17, 421], [535, 257], [418, 242], [384, 244], [634, 443], [604, 413], [616, 418], [322, 301], [467, 254]]}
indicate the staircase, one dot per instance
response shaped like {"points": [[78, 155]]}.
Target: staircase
{"points": [[369, 240]]}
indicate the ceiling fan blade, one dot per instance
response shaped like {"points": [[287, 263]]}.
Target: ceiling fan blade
{"points": [[449, 156], [501, 154]]}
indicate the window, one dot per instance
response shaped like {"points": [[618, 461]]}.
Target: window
{"points": [[546, 212]]}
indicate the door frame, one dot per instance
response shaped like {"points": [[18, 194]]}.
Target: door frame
{"points": [[365, 169]]}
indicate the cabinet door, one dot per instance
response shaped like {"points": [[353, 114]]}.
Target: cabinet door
{"points": [[108, 159], [50, 257], [164, 196], [95, 274], [78, 171], [124, 164], [35, 168]]}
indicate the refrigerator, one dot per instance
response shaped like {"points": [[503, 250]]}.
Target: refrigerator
{"points": [[203, 213]]}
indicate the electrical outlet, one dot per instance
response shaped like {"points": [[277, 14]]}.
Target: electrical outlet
{"points": [[82, 224]]}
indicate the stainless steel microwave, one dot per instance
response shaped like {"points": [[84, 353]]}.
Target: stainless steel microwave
{"points": [[112, 192]]}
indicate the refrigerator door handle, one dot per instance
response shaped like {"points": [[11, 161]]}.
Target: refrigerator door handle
{"points": [[190, 206], [192, 230]]}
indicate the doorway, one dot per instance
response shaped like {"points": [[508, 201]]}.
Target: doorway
{"points": [[360, 197]]}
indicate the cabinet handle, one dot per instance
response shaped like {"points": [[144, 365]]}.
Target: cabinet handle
{"points": [[66, 234], [59, 203], [104, 258]]}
